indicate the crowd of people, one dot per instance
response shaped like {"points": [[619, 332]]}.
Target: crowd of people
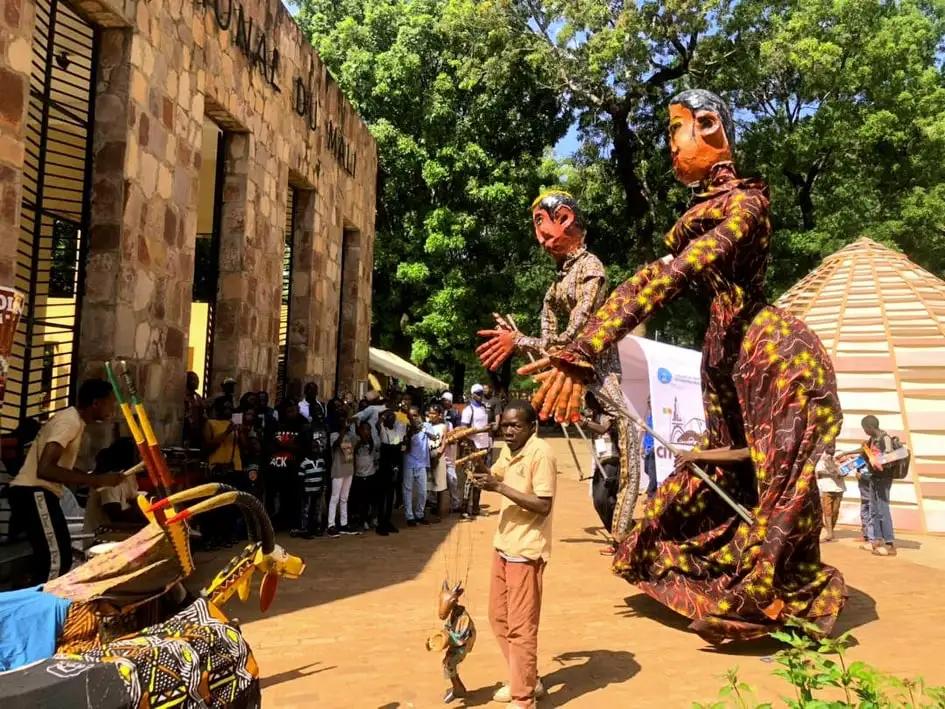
{"points": [[343, 466]]}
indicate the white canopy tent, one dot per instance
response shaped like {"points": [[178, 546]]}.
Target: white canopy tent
{"points": [[391, 365]]}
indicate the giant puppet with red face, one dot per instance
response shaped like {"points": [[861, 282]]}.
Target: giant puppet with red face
{"points": [[770, 399], [578, 290]]}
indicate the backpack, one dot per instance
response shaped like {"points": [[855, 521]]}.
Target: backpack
{"points": [[898, 468]]}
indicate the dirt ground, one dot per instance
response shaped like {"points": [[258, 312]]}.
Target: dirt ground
{"points": [[351, 632]]}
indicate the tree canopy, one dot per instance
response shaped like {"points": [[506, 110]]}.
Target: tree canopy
{"points": [[840, 105], [462, 126]]}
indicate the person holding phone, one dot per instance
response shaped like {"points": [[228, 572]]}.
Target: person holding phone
{"points": [[221, 444], [416, 468], [831, 485]]}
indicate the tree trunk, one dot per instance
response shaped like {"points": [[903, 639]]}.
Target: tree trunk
{"points": [[459, 378], [502, 379], [636, 204]]}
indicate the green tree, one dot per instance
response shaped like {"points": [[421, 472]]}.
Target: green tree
{"points": [[845, 105], [462, 126]]}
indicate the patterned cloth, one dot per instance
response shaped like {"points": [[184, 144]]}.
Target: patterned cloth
{"points": [[461, 631], [195, 659], [579, 289], [767, 385]]}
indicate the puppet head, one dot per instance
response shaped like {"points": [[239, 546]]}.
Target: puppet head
{"points": [[559, 226], [449, 597], [701, 134]]}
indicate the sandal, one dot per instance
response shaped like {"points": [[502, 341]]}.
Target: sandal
{"points": [[609, 550]]}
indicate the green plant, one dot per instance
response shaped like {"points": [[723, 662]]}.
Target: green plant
{"points": [[823, 678]]}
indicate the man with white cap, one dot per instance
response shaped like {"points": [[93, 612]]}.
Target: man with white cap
{"points": [[476, 415], [449, 413]]}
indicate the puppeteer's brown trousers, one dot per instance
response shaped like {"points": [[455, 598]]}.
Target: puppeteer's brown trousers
{"points": [[514, 610]]}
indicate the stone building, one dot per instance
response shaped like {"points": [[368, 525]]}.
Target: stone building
{"points": [[182, 186]]}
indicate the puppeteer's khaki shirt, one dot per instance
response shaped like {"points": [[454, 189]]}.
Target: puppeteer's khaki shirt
{"points": [[532, 471]]}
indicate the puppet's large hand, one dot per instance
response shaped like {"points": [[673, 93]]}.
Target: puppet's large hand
{"points": [[561, 390], [498, 348]]}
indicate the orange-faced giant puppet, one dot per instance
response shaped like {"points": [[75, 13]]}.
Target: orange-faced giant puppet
{"points": [[579, 289], [771, 409], [559, 229]]}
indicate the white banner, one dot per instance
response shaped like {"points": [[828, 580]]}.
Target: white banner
{"points": [[670, 377]]}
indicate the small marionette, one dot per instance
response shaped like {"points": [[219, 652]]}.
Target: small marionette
{"points": [[456, 638]]}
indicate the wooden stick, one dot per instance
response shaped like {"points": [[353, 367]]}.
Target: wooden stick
{"points": [[471, 457], [131, 472], [461, 433], [738, 508], [590, 447]]}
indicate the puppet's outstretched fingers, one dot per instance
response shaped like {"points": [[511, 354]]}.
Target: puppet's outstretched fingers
{"points": [[489, 344], [546, 379], [551, 399], [496, 358], [490, 351], [563, 403], [535, 367], [577, 400]]}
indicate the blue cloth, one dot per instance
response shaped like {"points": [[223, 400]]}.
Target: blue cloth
{"points": [[30, 621], [647, 437], [415, 493], [418, 456], [881, 523], [866, 513]]}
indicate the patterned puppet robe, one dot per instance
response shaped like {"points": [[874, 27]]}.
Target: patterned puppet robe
{"points": [[579, 289], [768, 385]]}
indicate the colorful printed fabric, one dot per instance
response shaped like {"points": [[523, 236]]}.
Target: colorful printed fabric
{"points": [[462, 635], [579, 289], [768, 385], [195, 659]]}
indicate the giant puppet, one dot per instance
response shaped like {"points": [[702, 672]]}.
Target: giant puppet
{"points": [[770, 400], [578, 290]]}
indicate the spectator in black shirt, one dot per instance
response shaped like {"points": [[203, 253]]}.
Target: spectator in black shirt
{"points": [[288, 446]]}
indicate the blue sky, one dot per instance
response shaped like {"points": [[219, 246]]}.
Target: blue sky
{"points": [[569, 144]]}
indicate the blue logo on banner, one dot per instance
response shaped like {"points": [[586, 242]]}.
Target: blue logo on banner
{"points": [[664, 375]]}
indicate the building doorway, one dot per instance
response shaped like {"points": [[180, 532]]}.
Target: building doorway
{"points": [[284, 309], [52, 246], [206, 254]]}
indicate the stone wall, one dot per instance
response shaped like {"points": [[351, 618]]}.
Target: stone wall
{"points": [[165, 66], [16, 22]]}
